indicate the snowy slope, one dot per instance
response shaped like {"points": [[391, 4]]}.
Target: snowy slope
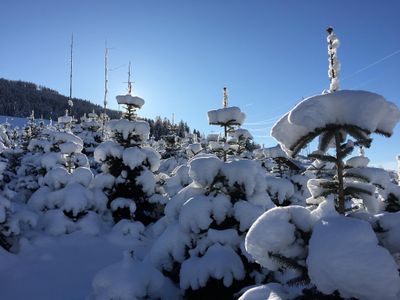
{"points": [[55, 267], [14, 121]]}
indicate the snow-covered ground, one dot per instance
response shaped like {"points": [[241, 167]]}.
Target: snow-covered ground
{"points": [[55, 267]]}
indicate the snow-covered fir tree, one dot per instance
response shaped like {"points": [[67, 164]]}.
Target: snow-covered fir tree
{"points": [[325, 253], [228, 118], [200, 245], [128, 166]]}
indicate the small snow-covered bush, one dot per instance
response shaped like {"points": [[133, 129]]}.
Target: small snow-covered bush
{"points": [[201, 245]]}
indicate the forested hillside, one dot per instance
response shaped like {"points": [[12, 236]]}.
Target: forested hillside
{"points": [[19, 98]]}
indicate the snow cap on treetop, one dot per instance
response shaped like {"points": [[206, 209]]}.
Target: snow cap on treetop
{"points": [[229, 116], [130, 100], [369, 111]]}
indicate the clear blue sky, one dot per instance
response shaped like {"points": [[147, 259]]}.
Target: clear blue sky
{"points": [[269, 54]]}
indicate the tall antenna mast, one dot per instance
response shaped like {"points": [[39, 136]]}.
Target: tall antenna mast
{"points": [[70, 71], [129, 79], [105, 87]]}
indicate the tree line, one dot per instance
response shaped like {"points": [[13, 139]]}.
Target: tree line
{"points": [[19, 98]]}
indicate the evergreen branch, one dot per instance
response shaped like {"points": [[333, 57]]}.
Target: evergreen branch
{"points": [[364, 142], [329, 185], [304, 140], [349, 174], [347, 151], [287, 262], [393, 203], [325, 140], [357, 133], [355, 191], [384, 133], [303, 279], [323, 157], [328, 192]]}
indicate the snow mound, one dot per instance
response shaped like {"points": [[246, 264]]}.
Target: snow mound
{"points": [[127, 128], [131, 279], [208, 170], [357, 162], [228, 115], [275, 232], [64, 119], [242, 133], [390, 237], [369, 111], [107, 149], [280, 189], [204, 169], [81, 175], [130, 100], [344, 255], [65, 137], [197, 212], [274, 152], [194, 149], [271, 291], [169, 246]]}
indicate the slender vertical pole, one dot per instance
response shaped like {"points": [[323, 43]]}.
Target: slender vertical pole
{"points": [[105, 88], [70, 71]]}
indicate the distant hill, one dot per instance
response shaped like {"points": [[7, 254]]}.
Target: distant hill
{"points": [[19, 98]]}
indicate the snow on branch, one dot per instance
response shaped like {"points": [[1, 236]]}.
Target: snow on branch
{"points": [[368, 111]]}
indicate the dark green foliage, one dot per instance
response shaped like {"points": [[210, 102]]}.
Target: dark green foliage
{"points": [[358, 134], [349, 174], [325, 140], [393, 203], [19, 99], [332, 128], [355, 191], [160, 128], [146, 212], [346, 149], [228, 223], [323, 157], [288, 263], [343, 149], [172, 146], [4, 243], [286, 166], [70, 214], [215, 289], [314, 294]]}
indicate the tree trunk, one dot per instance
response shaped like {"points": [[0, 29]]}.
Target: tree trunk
{"points": [[226, 140], [339, 168]]}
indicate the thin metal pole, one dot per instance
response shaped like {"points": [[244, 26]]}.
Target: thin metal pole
{"points": [[105, 88], [70, 71]]}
